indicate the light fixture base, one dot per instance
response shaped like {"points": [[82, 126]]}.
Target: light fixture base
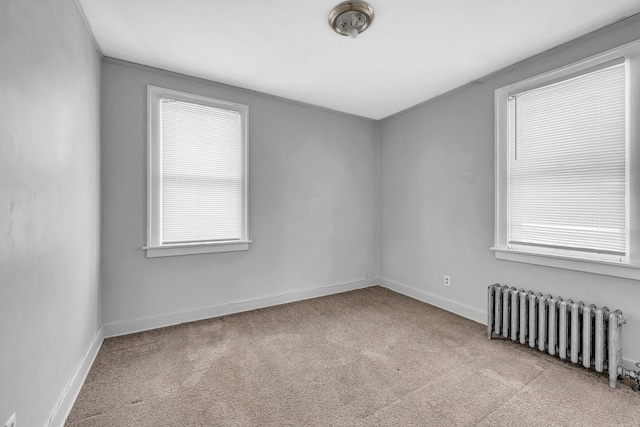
{"points": [[351, 18]]}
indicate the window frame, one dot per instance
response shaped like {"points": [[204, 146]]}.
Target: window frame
{"points": [[627, 269], [155, 247]]}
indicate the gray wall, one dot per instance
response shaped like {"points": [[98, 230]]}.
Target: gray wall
{"points": [[49, 203], [437, 196], [311, 203]]}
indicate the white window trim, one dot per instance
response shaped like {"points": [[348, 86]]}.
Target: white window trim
{"points": [[154, 247], [629, 269]]}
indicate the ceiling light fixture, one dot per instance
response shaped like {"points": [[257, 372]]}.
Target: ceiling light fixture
{"points": [[350, 18]]}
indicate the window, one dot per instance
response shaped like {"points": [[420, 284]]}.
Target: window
{"points": [[566, 159], [197, 184]]}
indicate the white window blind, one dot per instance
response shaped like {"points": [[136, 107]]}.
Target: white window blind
{"points": [[202, 174], [567, 164]]}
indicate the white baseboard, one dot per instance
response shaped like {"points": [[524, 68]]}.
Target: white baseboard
{"points": [[144, 324], [463, 310], [629, 364], [70, 394]]}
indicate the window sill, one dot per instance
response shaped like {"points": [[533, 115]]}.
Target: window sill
{"points": [[196, 248], [607, 268]]}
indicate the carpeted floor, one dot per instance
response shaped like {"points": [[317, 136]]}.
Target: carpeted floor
{"points": [[370, 357]]}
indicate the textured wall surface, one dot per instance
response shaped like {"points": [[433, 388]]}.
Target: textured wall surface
{"points": [[437, 197], [49, 203], [311, 203]]}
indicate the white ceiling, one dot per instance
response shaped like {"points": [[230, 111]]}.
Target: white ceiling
{"points": [[414, 50]]}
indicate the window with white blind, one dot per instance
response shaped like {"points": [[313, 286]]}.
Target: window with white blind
{"points": [[565, 158], [197, 174]]}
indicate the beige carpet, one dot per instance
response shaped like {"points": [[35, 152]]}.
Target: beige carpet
{"points": [[369, 357]]}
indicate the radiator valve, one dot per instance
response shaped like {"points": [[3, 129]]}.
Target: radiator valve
{"points": [[634, 375]]}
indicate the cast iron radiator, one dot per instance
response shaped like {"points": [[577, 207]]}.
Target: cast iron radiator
{"points": [[577, 332]]}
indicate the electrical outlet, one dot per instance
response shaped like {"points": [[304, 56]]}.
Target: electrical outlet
{"points": [[369, 275], [11, 422], [447, 281]]}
